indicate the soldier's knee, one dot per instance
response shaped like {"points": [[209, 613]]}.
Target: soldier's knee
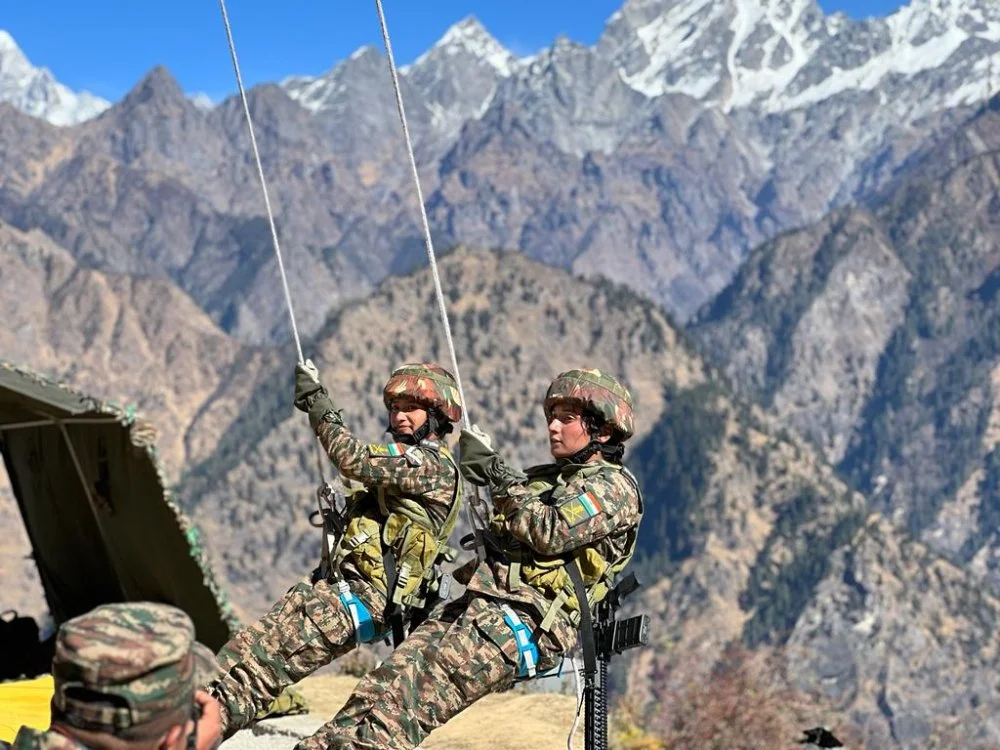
{"points": [[329, 741]]}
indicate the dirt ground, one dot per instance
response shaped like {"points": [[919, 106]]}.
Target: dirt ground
{"points": [[508, 721]]}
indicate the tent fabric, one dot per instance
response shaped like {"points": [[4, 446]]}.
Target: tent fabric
{"points": [[103, 523], [24, 703]]}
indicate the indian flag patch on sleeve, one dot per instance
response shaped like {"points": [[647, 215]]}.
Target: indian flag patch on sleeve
{"points": [[581, 508], [390, 450]]}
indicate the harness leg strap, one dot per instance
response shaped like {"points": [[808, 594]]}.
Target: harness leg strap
{"points": [[526, 647], [364, 626]]}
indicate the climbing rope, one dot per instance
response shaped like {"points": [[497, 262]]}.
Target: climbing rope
{"points": [[477, 519], [579, 703], [267, 205], [260, 174]]}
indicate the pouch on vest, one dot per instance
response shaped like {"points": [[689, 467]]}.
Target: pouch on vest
{"points": [[361, 544], [416, 549]]}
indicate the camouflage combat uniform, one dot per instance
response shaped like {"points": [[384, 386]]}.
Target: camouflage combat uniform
{"points": [[587, 512], [140, 654], [409, 504]]}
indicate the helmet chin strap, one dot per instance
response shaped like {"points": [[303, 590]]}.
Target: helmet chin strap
{"points": [[609, 452], [420, 434]]}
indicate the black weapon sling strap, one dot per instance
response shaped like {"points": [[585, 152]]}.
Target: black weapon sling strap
{"points": [[393, 613]]}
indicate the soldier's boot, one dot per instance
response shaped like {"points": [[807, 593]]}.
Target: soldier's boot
{"points": [[305, 630]]}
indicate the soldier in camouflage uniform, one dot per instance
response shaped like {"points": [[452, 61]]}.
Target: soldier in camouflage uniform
{"points": [[396, 526], [520, 613], [126, 677]]}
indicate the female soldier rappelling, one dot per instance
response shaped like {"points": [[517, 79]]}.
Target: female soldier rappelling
{"points": [[575, 518], [383, 564]]}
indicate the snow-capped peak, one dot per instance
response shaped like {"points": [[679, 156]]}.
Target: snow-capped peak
{"points": [[7, 44], [470, 37], [202, 101], [780, 55], [36, 92]]}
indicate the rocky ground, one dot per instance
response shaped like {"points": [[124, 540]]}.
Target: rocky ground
{"points": [[510, 721]]}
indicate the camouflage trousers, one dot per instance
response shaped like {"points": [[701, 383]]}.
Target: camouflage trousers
{"points": [[443, 667], [307, 629]]}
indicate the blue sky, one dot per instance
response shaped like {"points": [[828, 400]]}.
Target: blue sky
{"points": [[105, 46]]}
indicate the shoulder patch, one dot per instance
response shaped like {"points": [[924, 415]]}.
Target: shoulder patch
{"points": [[389, 450], [413, 456], [579, 509]]}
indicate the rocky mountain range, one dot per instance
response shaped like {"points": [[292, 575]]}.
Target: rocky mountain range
{"points": [[689, 133], [862, 155], [873, 333], [745, 527]]}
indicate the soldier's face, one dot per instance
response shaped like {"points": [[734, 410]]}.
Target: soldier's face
{"points": [[406, 416], [567, 431]]}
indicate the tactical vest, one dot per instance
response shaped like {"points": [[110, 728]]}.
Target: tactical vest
{"points": [[379, 521], [548, 574]]}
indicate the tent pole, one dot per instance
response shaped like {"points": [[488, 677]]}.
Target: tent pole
{"points": [[51, 423]]}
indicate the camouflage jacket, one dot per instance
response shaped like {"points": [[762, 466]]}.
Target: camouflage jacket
{"points": [[33, 739], [556, 514], [420, 473]]}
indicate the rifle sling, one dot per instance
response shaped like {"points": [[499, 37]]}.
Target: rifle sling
{"points": [[393, 615], [587, 636]]}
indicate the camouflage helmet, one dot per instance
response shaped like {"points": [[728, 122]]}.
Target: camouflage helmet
{"points": [[597, 392], [121, 668], [428, 384]]}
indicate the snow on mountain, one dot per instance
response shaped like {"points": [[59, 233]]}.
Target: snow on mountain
{"points": [[782, 55], [452, 82], [36, 92], [202, 101], [469, 38], [317, 93], [751, 58]]}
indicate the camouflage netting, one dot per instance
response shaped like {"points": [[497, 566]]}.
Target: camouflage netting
{"points": [[123, 536]]}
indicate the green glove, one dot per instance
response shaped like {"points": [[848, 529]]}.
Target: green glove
{"points": [[481, 465], [310, 395]]}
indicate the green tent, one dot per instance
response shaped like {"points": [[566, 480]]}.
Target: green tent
{"points": [[101, 520]]}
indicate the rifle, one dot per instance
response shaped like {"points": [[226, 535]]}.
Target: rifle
{"points": [[603, 636]]}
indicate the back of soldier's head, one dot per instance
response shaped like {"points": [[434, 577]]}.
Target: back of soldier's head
{"points": [[128, 670]]}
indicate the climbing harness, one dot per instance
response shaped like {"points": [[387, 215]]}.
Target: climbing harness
{"points": [[329, 517], [581, 587], [478, 512]]}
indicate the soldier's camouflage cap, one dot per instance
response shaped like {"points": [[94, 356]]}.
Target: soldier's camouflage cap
{"points": [[597, 391], [122, 666], [427, 383]]}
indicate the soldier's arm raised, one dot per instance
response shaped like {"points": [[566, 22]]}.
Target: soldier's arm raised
{"points": [[372, 464], [378, 465]]}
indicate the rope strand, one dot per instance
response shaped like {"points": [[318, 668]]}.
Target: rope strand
{"points": [[267, 205], [429, 245], [260, 174], [428, 242]]}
